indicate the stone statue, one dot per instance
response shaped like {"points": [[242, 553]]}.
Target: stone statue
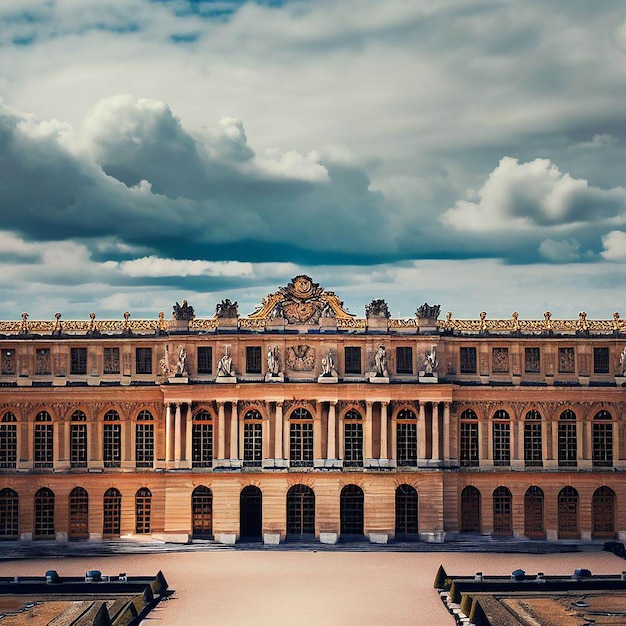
{"points": [[431, 362], [377, 308], [164, 363], [183, 312], [24, 327], [548, 324], [448, 325], [273, 361], [181, 363], [225, 364], [616, 322], [161, 325], [328, 365], [227, 309], [515, 316], [427, 311], [58, 327], [582, 325], [482, 324], [380, 359], [622, 362]]}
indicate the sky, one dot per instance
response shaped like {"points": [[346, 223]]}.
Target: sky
{"points": [[467, 154]]}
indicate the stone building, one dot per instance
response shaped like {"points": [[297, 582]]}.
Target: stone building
{"points": [[301, 420]]}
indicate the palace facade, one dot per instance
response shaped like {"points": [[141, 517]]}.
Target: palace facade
{"points": [[301, 421]]}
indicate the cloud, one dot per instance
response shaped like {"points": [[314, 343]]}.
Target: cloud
{"points": [[154, 267], [564, 251], [598, 141], [533, 195], [614, 246]]}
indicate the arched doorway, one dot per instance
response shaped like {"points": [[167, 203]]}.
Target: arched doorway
{"points": [[202, 512], [603, 513], [300, 512], [250, 513], [406, 512], [351, 511], [79, 514], [533, 513], [470, 510], [502, 514], [9, 514], [143, 511], [44, 514], [568, 513], [112, 512]]}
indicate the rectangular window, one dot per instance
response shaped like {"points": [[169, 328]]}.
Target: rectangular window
{"points": [[78, 445], [352, 357], [301, 444], [143, 360], [252, 444], [404, 360], [532, 444], [566, 441], [78, 363], [111, 360], [468, 360], [532, 363], [144, 445], [42, 362], [8, 362], [566, 361], [112, 445], [8, 446], [253, 360], [600, 360], [205, 360], [500, 360], [353, 444], [43, 446], [468, 449], [406, 444], [202, 445]]}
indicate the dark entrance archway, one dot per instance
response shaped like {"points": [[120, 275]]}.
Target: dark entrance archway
{"points": [[533, 513], [470, 510], [568, 513], [250, 513], [406, 512], [351, 511], [79, 514], [202, 512], [300, 512], [603, 513]]}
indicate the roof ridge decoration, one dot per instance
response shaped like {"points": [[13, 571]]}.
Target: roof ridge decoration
{"points": [[301, 302]]}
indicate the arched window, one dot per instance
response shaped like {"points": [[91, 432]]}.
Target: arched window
{"points": [[406, 511], [112, 514], [301, 438], [406, 438], [9, 514], [501, 438], [566, 439], [144, 440], [533, 450], [502, 511], [8, 441], [533, 513], [112, 439], [470, 510], [568, 513], [468, 439], [351, 510], [44, 514], [603, 513], [202, 440], [202, 512], [252, 439], [250, 512], [78, 439], [79, 514], [43, 456], [602, 439], [300, 511], [143, 509], [353, 439]]}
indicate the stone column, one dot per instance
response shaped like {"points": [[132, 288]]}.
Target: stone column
{"points": [[421, 432], [234, 423], [331, 452], [317, 434], [445, 452], [56, 440], [490, 441], [285, 430], [367, 427], [549, 459], [177, 435], [394, 441], [220, 431], [435, 423], [278, 431], [96, 449], [580, 444], [168, 433], [189, 437], [265, 433], [384, 452]]}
